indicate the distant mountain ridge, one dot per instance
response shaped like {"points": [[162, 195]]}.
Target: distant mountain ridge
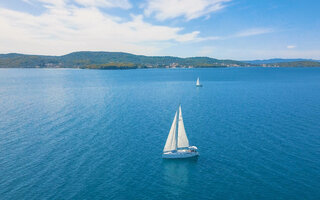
{"points": [[109, 60], [120, 60], [278, 60]]}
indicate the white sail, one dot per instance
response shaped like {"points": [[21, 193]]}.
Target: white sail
{"points": [[171, 143], [198, 82], [182, 135]]}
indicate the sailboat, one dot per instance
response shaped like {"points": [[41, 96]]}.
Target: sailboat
{"points": [[177, 144], [198, 83]]}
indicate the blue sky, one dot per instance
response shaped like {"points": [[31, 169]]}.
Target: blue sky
{"points": [[223, 29]]}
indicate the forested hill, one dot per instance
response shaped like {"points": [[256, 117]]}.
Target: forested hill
{"points": [[118, 60], [86, 59], [277, 60]]}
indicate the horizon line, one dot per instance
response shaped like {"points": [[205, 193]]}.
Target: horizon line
{"points": [[242, 60]]}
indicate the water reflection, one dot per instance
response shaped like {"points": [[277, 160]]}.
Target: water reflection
{"points": [[177, 173]]}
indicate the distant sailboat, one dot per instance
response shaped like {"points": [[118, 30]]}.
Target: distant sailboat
{"points": [[177, 144], [198, 83]]}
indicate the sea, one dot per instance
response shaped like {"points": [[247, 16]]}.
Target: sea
{"points": [[99, 134]]}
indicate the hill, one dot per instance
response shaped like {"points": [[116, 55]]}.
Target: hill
{"points": [[109, 60], [277, 60], [119, 60]]}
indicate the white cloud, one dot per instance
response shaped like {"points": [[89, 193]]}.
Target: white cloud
{"points": [[105, 3], [27, 1], [253, 31], [124, 4], [53, 2], [291, 46], [189, 9], [65, 28], [243, 33]]}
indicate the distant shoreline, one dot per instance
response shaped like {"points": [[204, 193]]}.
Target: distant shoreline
{"points": [[119, 69], [124, 61]]}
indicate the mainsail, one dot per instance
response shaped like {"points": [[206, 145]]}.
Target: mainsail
{"points": [[198, 82], [182, 136], [171, 143]]}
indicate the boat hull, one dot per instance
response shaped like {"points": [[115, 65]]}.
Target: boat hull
{"points": [[198, 85], [179, 155]]}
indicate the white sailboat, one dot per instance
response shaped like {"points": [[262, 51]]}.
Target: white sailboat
{"points": [[177, 144], [198, 83]]}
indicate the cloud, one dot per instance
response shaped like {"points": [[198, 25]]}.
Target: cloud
{"points": [[64, 28], [124, 4], [243, 33], [27, 1], [253, 31], [189, 9], [51, 2], [291, 46]]}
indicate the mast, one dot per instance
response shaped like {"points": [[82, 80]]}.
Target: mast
{"points": [[177, 129]]}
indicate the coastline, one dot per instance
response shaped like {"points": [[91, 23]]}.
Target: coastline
{"points": [[125, 61], [148, 68]]}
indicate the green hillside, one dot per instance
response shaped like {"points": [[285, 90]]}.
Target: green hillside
{"points": [[118, 60], [106, 60]]}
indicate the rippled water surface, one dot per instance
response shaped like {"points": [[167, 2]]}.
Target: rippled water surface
{"points": [[98, 134]]}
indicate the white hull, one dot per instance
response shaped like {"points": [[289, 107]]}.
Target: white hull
{"points": [[179, 154]]}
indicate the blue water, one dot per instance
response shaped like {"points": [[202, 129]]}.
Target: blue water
{"points": [[99, 134]]}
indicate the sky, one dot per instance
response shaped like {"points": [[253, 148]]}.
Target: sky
{"points": [[223, 29]]}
